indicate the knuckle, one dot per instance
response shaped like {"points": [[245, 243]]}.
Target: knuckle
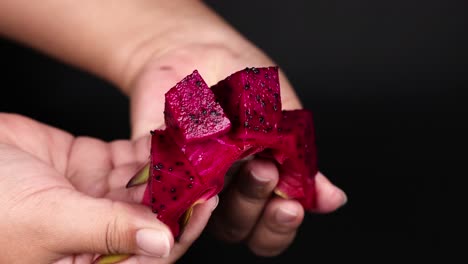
{"points": [[234, 234], [228, 232], [112, 237], [267, 251], [270, 245], [254, 193], [117, 236], [280, 229]]}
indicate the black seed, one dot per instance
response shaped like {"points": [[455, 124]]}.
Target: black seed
{"points": [[261, 119], [196, 121], [191, 178], [280, 129], [153, 200], [171, 169], [155, 211], [158, 166], [198, 83], [256, 128], [267, 76], [162, 206], [189, 186], [246, 86], [247, 69], [204, 112], [174, 198], [247, 112], [187, 172], [258, 97], [246, 124], [172, 190], [158, 177], [152, 132], [275, 107], [250, 116], [192, 116], [161, 136], [269, 89], [213, 113], [276, 95], [255, 70], [262, 84], [179, 163], [263, 103]]}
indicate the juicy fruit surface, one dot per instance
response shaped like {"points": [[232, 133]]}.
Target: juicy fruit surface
{"points": [[251, 99], [204, 138], [298, 155], [191, 112]]}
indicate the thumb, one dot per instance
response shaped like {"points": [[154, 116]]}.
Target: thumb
{"points": [[147, 98], [83, 224]]}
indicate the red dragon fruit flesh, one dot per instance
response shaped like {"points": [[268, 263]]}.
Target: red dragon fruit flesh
{"points": [[251, 100], [191, 113], [208, 130]]}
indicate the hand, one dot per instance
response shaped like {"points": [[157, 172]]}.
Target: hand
{"points": [[63, 199], [248, 211]]}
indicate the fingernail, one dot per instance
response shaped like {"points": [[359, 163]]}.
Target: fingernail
{"points": [[155, 243], [111, 259], [286, 215], [216, 202], [344, 198], [259, 179]]}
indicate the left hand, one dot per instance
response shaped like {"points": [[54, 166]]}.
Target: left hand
{"points": [[63, 199]]}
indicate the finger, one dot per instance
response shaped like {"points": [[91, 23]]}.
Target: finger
{"points": [[329, 197], [77, 223], [197, 223], [125, 152], [194, 228], [243, 203], [147, 98], [277, 228]]}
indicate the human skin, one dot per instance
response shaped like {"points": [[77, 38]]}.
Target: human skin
{"points": [[64, 200], [144, 47]]}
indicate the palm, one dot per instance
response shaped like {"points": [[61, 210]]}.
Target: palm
{"points": [[47, 171]]}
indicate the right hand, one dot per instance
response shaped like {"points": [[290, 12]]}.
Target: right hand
{"points": [[248, 211]]}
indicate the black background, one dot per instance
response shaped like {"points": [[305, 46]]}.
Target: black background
{"points": [[385, 81]]}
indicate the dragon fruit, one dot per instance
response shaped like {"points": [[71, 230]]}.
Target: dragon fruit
{"points": [[173, 183], [251, 99], [208, 130], [296, 153], [191, 113]]}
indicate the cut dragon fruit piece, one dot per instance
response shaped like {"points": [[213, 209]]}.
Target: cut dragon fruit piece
{"points": [[251, 100], [298, 157], [191, 112], [173, 185]]}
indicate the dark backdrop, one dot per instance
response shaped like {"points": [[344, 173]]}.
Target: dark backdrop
{"points": [[385, 81]]}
